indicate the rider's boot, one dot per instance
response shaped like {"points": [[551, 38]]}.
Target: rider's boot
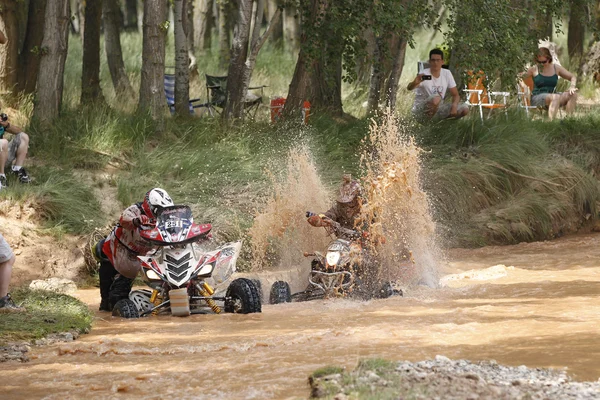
{"points": [[120, 288], [106, 274]]}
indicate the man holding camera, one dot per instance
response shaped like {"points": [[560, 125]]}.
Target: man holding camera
{"points": [[13, 153], [431, 85]]}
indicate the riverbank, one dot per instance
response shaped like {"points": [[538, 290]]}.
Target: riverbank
{"points": [[443, 378]]}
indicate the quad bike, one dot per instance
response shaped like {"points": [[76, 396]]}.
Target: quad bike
{"points": [[333, 273], [180, 273]]}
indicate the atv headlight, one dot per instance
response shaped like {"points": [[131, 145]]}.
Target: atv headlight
{"points": [[333, 257], [153, 276], [206, 269]]}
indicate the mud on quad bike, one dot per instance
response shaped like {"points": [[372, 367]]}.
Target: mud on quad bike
{"points": [[333, 273], [181, 275]]}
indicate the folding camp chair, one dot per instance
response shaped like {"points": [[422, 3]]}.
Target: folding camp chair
{"points": [[479, 96], [216, 95], [524, 93], [169, 83]]}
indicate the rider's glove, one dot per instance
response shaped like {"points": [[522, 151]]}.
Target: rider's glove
{"points": [[142, 220]]}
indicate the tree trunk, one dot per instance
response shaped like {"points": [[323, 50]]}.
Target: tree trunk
{"points": [[239, 54], [576, 31], [9, 52], [80, 11], [152, 96], [52, 64], [29, 59], [318, 77], [182, 72], [376, 82], [291, 29], [244, 54], [224, 42], [276, 36], [130, 15], [90, 75], [203, 22], [391, 89], [114, 54]]}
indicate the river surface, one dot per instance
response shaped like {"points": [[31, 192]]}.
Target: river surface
{"points": [[530, 304]]}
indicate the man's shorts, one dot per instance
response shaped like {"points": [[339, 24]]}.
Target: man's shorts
{"points": [[5, 250], [13, 145], [420, 110]]}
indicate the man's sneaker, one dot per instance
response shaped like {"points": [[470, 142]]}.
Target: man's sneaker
{"points": [[8, 305], [3, 182], [22, 175]]}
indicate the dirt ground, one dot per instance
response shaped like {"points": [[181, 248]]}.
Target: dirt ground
{"points": [[43, 254]]}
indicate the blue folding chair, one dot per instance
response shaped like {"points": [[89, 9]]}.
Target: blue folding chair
{"points": [[169, 82]]}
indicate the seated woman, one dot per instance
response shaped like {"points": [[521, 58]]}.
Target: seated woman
{"points": [[545, 77]]}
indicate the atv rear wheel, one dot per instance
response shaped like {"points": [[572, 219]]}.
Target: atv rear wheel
{"points": [[243, 297], [280, 293], [125, 308]]}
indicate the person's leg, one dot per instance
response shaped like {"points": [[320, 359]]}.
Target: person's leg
{"points": [[3, 160], [433, 104], [22, 150], [569, 101], [7, 260], [462, 110], [553, 102], [17, 151], [106, 274]]}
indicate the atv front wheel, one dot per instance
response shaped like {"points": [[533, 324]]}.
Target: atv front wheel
{"points": [[125, 308], [280, 293], [243, 297]]}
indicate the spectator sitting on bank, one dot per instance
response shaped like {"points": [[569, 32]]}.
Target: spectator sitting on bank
{"points": [[431, 86], [13, 153]]}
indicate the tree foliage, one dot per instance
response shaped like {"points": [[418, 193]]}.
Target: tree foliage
{"points": [[498, 37]]}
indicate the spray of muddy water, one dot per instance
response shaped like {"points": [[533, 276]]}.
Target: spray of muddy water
{"points": [[280, 234], [397, 211]]}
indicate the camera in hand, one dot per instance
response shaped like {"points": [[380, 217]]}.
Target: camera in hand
{"points": [[426, 77], [3, 117]]}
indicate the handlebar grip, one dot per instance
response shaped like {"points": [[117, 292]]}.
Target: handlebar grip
{"points": [[309, 214]]}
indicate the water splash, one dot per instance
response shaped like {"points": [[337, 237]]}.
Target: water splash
{"points": [[402, 231], [280, 233]]}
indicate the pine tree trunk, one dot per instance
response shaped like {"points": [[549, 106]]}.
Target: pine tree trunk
{"points": [[576, 31], [52, 64], [224, 43], [90, 75], [114, 54], [29, 59], [391, 89], [202, 23], [152, 96], [9, 52], [182, 72], [131, 15]]}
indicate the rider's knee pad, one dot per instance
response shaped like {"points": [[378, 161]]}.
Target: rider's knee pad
{"points": [[120, 288]]}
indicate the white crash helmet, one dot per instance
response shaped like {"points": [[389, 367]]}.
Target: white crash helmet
{"points": [[155, 200]]}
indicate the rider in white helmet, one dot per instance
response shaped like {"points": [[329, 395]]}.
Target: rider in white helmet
{"points": [[118, 253]]}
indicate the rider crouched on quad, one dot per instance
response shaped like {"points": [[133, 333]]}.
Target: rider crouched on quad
{"points": [[118, 253], [344, 212]]}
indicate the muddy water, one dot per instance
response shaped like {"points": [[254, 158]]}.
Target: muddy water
{"points": [[532, 304]]}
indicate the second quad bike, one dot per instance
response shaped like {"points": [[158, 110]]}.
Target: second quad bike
{"points": [[333, 273]]}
